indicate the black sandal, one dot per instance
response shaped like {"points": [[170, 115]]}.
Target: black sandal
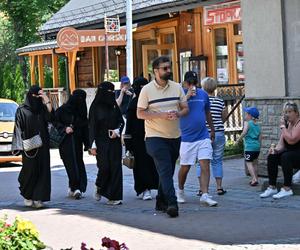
{"points": [[199, 193], [221, 191]]}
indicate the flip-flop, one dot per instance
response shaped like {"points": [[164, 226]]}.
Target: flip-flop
{"points": [[253, 184], [221, 191]]}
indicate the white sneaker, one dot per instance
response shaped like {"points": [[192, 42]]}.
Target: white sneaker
{"points": [[38, 204], [206, 200], [77, 194], [283, 193], [97, 195], [28, 203], [268, 192], [70, 193], [296, 177], [180, 196], [147, 195], [114, 203]]}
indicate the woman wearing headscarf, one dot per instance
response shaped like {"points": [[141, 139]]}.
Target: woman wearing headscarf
{"points": [[144, 171], [72, 119], [106, 125], [32, 119]]}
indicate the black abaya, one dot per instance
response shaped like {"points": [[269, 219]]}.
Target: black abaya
{"points": [[71, 148], [103, 117], [144, 171], [34, 178]]}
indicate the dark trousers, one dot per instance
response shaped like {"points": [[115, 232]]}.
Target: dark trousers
{"points": [[288, 160], [164, 153]]}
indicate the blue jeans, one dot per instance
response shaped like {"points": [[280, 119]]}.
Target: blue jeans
{"points": [[164, 153], [217, 161]]}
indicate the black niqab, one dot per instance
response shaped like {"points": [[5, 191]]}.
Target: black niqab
{"points": [[138, 84], [33, 102], [77, 104], [105, 94]]}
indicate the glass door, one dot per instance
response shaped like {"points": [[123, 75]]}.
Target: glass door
{"points": [[221, 53], [239, 51], [150, 52]]}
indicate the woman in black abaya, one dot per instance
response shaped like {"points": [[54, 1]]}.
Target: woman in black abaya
{"points": [[144, 171], [106, 125], [32, 118], [72, 119]]}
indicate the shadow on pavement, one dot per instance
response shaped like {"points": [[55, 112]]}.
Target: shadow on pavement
{"points": [[241, 217]]}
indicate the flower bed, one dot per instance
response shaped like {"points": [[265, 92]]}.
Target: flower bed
{"points": [[21, 234]]}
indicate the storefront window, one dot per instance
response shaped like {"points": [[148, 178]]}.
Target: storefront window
{"points": [[168, 38], [240, 62], [221, 55], [237, 29], [184, 63]]}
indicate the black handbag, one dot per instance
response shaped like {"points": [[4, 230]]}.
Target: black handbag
{"points": [[56, 136]]}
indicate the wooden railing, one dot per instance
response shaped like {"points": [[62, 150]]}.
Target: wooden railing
{"points": [[233, 95]]}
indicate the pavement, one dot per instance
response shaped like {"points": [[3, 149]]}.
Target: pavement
{"points": [[241, 220]]}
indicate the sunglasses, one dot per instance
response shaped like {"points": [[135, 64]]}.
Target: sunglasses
{"points": [[291, 104], [165, 68]]}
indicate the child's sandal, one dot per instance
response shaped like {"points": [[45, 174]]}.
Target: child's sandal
{"points": [[221, 191]]}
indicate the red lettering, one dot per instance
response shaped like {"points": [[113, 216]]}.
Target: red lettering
{"points": [[209, 17]]}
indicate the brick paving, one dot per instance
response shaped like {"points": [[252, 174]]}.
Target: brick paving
{"points": [[241, 221]]}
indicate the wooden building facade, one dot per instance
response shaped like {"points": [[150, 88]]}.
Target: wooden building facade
{"points": [[181, 30]]}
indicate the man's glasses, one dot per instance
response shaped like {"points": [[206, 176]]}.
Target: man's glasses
{"points": [[165, 68]]}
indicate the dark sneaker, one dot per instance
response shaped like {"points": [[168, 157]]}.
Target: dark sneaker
{"points": [[172, 211], [160, 206]]}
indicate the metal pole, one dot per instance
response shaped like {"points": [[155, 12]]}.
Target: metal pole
{"points": [[106, 49], [106, 56], [129, 53]]}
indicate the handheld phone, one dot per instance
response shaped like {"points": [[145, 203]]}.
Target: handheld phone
{"points": [[110, 133], [285, 117]]}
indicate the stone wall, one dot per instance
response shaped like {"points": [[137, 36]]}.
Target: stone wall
{"points": [[270, 113]]}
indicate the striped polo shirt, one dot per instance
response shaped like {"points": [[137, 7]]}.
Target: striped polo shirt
{"points": [[216, 107], [155, 98]]}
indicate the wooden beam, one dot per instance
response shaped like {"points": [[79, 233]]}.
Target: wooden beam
{"points": [[36, 53], [55, 71], [32, 71], [198, 33], [71, 65], [95, 63], [41, 70], [162, 24]]}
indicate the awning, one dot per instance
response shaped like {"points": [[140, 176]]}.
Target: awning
{"points": [[46, 45]]}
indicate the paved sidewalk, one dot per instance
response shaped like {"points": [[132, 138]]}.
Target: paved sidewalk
{"points": [[241, 221]]}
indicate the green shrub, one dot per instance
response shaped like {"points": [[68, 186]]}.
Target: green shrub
{"points": [[233, 149]]}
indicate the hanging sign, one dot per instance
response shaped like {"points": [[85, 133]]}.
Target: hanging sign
{"points": [[222, 13], [112, 24], [70, 39]]}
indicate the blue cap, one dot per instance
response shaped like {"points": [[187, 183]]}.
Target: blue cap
{"points": [[125, 79], [253, 111]]}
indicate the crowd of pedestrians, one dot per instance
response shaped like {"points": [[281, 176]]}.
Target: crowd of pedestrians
{"points": [[157, 122]]}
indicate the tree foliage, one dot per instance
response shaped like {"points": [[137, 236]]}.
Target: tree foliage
{"points": [[19, 24]]}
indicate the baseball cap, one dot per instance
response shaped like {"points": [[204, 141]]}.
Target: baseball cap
{"points": [[190, 77], [253, 111], [125, 79]]}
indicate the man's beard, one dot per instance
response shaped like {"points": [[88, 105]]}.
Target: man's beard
{"points": [[166, 76]]}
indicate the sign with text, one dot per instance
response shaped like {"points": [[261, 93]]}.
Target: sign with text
{"points": [[71, 39], [222, 13]]}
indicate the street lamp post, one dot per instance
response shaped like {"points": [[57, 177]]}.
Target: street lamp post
{"points": [[129, 53]]}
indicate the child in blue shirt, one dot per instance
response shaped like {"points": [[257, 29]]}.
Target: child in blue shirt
{"points": [[252, 138]]}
